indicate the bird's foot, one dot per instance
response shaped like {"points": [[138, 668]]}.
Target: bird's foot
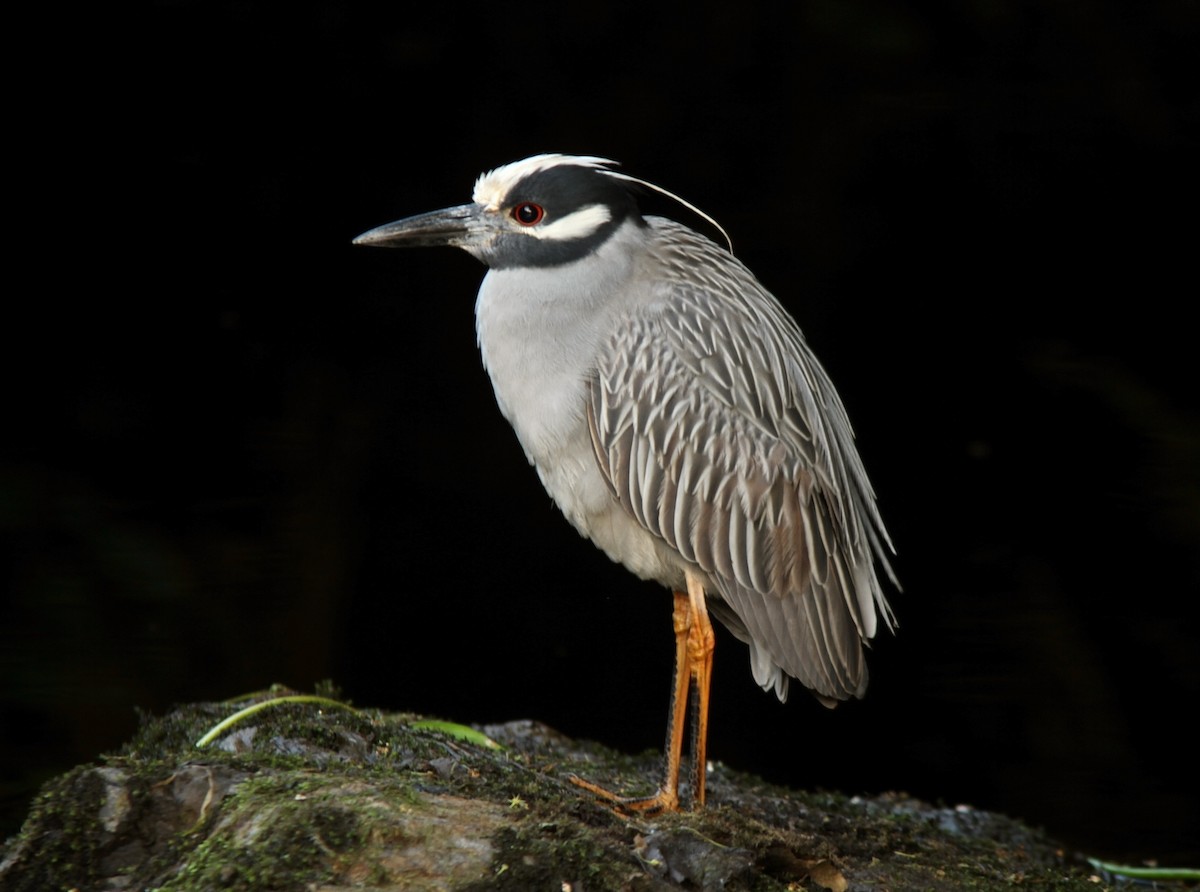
{"points": [[627, 806]]}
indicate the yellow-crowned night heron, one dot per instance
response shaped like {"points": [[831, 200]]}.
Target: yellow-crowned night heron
{"points": [[677, 417]]}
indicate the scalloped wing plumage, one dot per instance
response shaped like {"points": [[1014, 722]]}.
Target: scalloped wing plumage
{"points": [[719, 432]]}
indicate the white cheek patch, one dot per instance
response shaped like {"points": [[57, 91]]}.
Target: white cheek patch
{"points": [[578, 224]]}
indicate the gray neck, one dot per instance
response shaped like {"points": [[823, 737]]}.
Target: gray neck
{"points": [[540, 331]]}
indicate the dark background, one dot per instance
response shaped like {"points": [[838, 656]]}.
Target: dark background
{"points": [[237, 450]]}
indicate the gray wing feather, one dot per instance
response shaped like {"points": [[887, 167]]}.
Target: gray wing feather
{"points": [[720, 433]]}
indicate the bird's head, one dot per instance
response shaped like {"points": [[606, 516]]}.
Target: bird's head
{"points": [[544, 211]]}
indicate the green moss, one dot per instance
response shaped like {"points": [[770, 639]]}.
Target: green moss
{"points": [[63, 833], [547, 854], [275, 834]]}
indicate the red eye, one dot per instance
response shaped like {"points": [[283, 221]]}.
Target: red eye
{"points": [[528, 214]]}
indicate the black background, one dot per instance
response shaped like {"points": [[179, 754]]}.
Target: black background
{"points": [[237, 450]]}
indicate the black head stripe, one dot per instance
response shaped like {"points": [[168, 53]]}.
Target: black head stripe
{"points": [[566, 188], [561, 191]]}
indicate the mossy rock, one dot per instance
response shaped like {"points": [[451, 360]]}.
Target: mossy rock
{"points": [[302, 796]]}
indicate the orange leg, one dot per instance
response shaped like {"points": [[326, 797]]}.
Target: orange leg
{"points": [[701, 643], [694, 641]]}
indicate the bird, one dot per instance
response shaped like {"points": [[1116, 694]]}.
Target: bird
{"points": [[678, 418]]}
